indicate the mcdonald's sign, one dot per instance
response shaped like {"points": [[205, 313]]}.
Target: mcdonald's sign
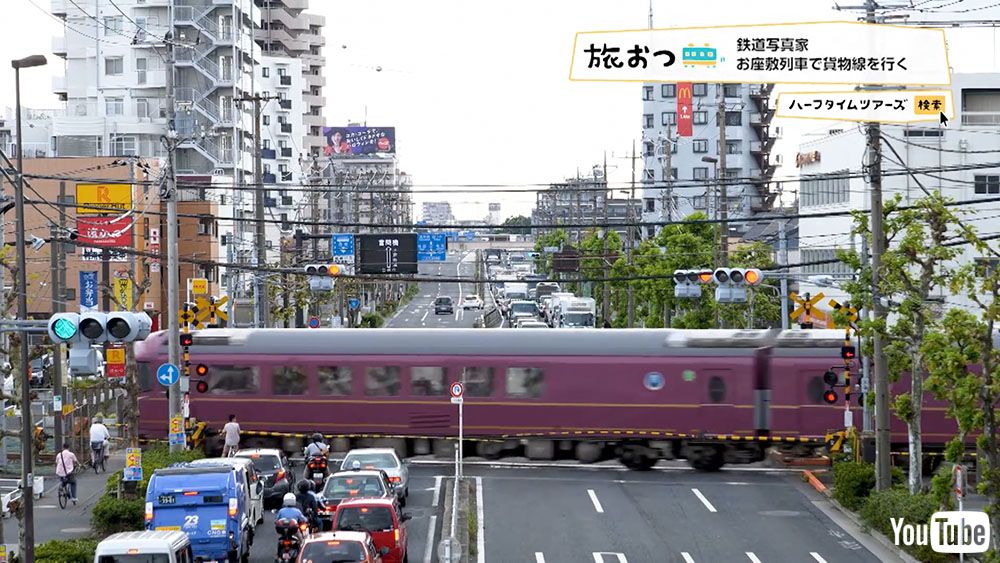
{"points": [[684, 115]]}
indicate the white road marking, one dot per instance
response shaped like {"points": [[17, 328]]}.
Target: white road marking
{"points": [[424, 318], [736, 483], [425, 295], [752, 557], [703, 500], [539, 557], [687, 557], [599, 556], [597, 503], [480, 522], [429, 547], [437, 491], [817, 557]]}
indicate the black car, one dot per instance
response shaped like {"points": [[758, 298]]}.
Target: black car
{"points": [[444, 305], [275, 472]]}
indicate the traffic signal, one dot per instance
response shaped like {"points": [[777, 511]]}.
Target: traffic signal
{"points": [[831, 379], [733, 282], [94, 328], [128, 327], [830, 397], [64, 327], [847, 352], [201, 370], [187, 339], [320, 276], [686, 284]]}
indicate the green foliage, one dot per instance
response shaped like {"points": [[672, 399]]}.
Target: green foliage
{"points": [[112, 515], [942, 488], [66, 551], [852, 483], [372, 320], [898, 503], [517, 225], [558, 238]]}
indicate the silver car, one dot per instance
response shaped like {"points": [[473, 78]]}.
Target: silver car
{"points": [[386, 460]]}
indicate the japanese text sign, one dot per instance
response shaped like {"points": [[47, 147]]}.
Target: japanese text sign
{"points": [[123, 293], [114, 365], [342, 248], [886, 106], [105, 198], [388, 253], [88, 291], [359, 140], [105, 232], [795, 53]]}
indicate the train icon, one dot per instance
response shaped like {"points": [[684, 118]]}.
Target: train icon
{"points": [[706, 56]]}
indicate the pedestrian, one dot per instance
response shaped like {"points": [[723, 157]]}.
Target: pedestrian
{"points": [[66, 468], [232, 433]]}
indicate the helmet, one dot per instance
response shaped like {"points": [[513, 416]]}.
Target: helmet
{"points": [[98, 420], [288, 500], [356, 465], [317, 437], [304, 486]]}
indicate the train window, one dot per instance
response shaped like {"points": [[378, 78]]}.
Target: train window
{"points": [[289, 381], [334, 380], [144, 376], [815, 389], [382, 381], [233, 380], [716, 389], [478, 381], [427, 380], [525, 382]]}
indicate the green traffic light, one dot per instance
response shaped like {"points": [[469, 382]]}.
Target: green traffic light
{"points": [[65, 329]]}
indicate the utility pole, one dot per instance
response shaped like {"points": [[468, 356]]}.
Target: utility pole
{"points": [[260, 239], [57, 349], [606, 306], [783, 261], [722, 177], [667, 199], [631, 238], [173, 273]]}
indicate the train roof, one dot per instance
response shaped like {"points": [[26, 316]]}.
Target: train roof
{"points": [[486, 342]]}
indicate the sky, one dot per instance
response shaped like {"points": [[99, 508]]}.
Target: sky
{"points": [[479, 91]]}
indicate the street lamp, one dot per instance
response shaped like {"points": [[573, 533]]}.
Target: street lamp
{"points": [[27, 476]]}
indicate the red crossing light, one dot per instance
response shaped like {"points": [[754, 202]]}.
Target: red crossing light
{"points": [[830, 396]]}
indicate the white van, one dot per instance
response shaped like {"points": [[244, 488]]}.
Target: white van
{"points": [[156, 547]]}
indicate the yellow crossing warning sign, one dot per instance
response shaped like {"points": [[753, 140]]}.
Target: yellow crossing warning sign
{"points": [[806, 306]]}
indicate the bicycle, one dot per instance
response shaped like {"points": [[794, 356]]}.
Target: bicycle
{"points": [[63, 494], [99, 457]]}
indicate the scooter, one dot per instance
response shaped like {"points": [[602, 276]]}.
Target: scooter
{"points": [[316, 470], [291, 535]]}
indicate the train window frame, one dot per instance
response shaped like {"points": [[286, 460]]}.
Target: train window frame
{"points": [[439, 391], [338, 370], [471, 389], [722, 395], [369, 391], [512, 373], [276, 373], [213, 375]]}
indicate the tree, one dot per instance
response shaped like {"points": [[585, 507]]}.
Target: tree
{"points": [[913, 268], [516, 225], [557, 238], [595, 259]]}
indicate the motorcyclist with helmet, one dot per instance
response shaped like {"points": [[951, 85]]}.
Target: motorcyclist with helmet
{"points": [[308, 502], [288, 522], [317, 456]]}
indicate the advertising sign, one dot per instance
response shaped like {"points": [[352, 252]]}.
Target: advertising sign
{"points": [[123, 293], [794, 53], [342, 249], [684, 115], [133, 464], [114, 362], [105, 198], [88, 254], [344, 141], [88, 291], [104, 232], [388, 254], [432, 247]]}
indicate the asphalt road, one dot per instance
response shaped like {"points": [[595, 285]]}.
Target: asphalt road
{"points": [[419, 313]]}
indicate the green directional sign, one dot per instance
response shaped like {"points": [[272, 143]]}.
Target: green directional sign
{"points": [[65, 329]]}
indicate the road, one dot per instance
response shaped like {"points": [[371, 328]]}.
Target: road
{"points": [[419, 313]]}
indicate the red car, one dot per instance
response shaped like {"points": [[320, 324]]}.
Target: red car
{"points": [[380, 517]]}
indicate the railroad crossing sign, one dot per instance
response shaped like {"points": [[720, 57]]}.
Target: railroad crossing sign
{"points": [[208, 308], [850, 310], [806, 307], [189, 316], [199, 286]]}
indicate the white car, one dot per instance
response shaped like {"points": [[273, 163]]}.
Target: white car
{"points": [[472, 302], [531, 324]]}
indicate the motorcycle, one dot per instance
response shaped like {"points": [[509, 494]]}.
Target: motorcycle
{"points": [[291, 534], [316, 470]]}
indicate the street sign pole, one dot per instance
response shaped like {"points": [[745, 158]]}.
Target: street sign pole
{"points": [[456, 390]]}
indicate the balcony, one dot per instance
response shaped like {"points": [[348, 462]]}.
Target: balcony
{"points": [[286, 80], [59, 46], [268, 154], [285, 104], [286, 127], [59, 87], [268, 177], [286, 152]]}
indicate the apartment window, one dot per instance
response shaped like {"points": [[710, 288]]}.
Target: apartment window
{"points": [[700, 173], [650, 149], [114, 106], [733, 118], [123, 145], [267, 169], [113, 25], [668, 90], [283, 144], [734, 147], [649, 175], [673, 173], [266, 120], [141, 107], [647, 121], [114, 66], [699, 90], [282, 71], [923, 133], [140, 70], [731, 90], [834, 266], [650, 232], [265, 143], [647, 93], [699, 145], [265, 71], [987, 184], [824, 189], [650, 205], [733, 172], [669, 118], [699, 118], [980, 106]]}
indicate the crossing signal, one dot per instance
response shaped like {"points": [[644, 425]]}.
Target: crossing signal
{"points": [[323, 270], [187, 339], [830, 397], [831, 379], [686, 284], [847, 352], [732, 283], [201, 370], [201, 386]]}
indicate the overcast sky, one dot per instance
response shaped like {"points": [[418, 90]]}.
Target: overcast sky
{"points": [[479, 91]]}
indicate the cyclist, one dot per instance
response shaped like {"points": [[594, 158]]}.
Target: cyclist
{"points": [[99, 437], [65, 466], [232, 433]]}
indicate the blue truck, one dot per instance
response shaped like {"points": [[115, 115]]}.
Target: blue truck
{"points": [[208, 503]]}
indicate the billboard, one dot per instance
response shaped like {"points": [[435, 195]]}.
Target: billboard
{"points": [[359, 140], [109, 232], [684, 115], [106, 198], [388, 253], [88, 291]]}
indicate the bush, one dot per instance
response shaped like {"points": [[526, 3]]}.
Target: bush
{"points": [[66, 551], [852, 483], [112, 515], [899, 503], [371, 320]]}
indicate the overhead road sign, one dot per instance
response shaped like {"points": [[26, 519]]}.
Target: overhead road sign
{"points": [[342, 248], [432, 247], [885, 106], [792, 53], [388, 253]]}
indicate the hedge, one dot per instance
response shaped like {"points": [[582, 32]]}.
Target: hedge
{"points": [[66, 551], [853, 481], [899, 503]]}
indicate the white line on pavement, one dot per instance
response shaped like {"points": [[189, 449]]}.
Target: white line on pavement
{"points": [[752, 557], [429, 548], [539, 557], [687, 557], [703, 500], [597, 503], [599, 556], [817, 557], [481, 525], [424, 318], [437, 491]]}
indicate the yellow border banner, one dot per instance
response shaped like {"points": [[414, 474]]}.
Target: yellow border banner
{"points": [[885, 106]]}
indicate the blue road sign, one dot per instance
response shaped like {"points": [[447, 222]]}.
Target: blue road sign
{"points": [[168, 374], [176, 439], [353, 303], [469, 235], [342, 245], [313, 322], [432, 247]]}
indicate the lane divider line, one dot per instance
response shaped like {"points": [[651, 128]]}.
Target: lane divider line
{"points": [[752, 557], [817, 557], [480, 522], [429, 548], [539, 557], [593, 499], [687, 557], [437, 491], [704, 501]]}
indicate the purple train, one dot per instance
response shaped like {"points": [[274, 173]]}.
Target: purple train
{"points": [[708, 396]]}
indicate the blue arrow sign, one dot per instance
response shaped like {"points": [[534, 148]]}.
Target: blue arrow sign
{"points": [[432, 247], [353, 303], [168, 374]]}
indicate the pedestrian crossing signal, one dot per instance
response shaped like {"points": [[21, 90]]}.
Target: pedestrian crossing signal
{"points": [[830, 378]]}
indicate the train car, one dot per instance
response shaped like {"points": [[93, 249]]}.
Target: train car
{"points": [[708, 396]]}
